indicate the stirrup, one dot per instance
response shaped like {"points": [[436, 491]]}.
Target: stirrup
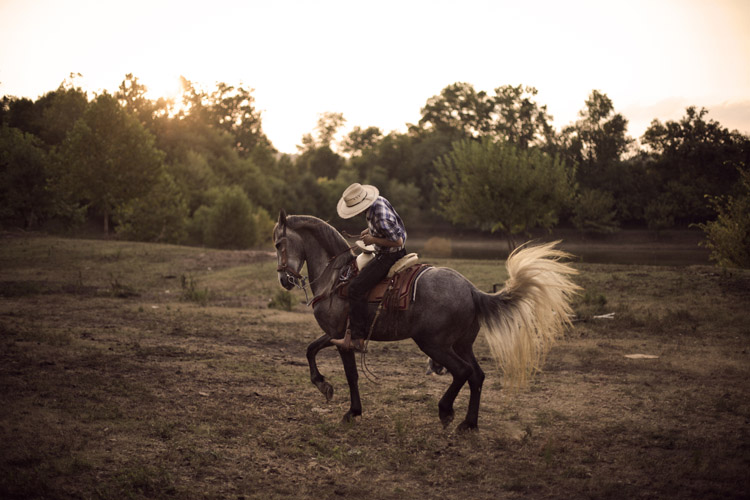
{"points": [[349, 344]]}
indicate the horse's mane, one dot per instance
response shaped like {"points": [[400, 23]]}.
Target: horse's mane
{"points": [[325, 234]]}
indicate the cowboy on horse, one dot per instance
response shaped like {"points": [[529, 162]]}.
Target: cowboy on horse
{"points": [[386, 232]]}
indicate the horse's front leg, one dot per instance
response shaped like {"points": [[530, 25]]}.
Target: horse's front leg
{"points": [[317, 379], [352, 377]]}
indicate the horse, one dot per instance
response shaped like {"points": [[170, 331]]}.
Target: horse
{"points": [[520, 322]]}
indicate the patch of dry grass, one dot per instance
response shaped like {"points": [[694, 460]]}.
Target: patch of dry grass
{"points": [[147, 395]]}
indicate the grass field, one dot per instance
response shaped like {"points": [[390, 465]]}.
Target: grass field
{"points": [[143, 371]]}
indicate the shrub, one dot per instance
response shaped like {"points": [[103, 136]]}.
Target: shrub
{"points": [[229, 221], [728, 237], [159, 216], [283, 300]]}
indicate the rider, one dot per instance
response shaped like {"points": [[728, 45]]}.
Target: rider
{"points": [[385, 230]]}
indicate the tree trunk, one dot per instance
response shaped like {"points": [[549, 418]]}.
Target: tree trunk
{"points": [[511, 242]]}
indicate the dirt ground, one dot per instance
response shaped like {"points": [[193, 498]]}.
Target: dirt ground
{"points": [[152, 371]]}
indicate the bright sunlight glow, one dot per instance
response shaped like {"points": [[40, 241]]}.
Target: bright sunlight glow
{"points": [[161, 85], [378, 63]]}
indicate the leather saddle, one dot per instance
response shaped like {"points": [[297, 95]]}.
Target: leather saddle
{"points": [[396, 290]]}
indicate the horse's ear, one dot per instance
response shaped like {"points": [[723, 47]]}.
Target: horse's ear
{"points": [[282, 217]]}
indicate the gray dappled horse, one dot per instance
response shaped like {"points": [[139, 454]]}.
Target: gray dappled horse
{"points": [[520, 321]]}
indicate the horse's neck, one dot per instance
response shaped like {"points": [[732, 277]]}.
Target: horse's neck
{"points": [[323, 265]]}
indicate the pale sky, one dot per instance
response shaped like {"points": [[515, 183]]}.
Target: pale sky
{"points": [[379, 62]]}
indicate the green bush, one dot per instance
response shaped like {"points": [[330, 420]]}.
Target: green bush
{"points": [[230, 221], [282, 300], [159, 216], [728, 237]]}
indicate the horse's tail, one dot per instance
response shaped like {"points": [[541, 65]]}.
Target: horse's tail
{"points": [[522, 320]]}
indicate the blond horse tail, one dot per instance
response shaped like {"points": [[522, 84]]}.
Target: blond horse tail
{"points": [[523, 320]]}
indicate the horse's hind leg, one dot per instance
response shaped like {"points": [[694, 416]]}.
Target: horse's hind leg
{"points": [[476, 380], [461, 371], [316, 378]]}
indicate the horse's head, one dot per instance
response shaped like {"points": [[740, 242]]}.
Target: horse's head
{"points": [[289, 253]]}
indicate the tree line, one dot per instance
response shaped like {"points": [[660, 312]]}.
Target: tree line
{"points": [[200, 170]]}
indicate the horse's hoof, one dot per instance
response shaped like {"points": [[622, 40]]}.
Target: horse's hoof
{"points": [[324, 387], [467, 427], [348, 417], [446, 417], [327, 390]]}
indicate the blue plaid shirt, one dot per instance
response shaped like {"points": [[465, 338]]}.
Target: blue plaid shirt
{"points": [[384, 222]]}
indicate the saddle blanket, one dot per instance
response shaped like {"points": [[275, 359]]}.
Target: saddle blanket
{"points": [[396, 292]]}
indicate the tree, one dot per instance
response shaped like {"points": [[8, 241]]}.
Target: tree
{"points": [[519, 119], [24, 196], [328, 124], [233, 110], [359, 140], [459, 111], [317, 155], [597, 142], [228, 109], [109, 158], [50, 117], [132, 97], [497, 186], [58, 111], [160, 215], [694, 157]]}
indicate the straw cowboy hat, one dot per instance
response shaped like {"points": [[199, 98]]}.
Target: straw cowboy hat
{"points": [[356, 199]]}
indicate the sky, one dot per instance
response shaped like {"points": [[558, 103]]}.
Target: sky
{"points": [[379, 62]]}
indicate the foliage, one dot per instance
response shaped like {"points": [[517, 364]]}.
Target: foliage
{"points": [[282, 300], [194, 177], [659, 213], [694, 157], [728, 237], [497, 186], [229, 109], [108, 158], [24, 199], [230, 221], [57, 112], [594, 212], [50, 117], [459, 111], [132, 96], [596, 143], [158, 216], [520, 120], [359, 140]]}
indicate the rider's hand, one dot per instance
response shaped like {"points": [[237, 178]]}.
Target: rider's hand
{"points": [[364, 233]]}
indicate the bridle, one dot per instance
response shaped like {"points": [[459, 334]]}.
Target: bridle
{"points": [[294, 277]]}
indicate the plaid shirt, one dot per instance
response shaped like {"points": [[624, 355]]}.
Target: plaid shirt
{"points": [[384, 222]]}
